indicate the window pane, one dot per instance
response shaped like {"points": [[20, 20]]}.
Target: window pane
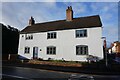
{"points": [[51, 50], [27, 50], [81, 33], [55, 35], [47, 50], [76, 50], [85, 32], [54, 50], [48, 35], [81, 50], [77, 33], [52, 35], [84, 52], [86, 49], [31, 36]]}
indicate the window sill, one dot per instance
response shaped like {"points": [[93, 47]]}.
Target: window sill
{"points": [[26, 53], [81, 54], [51, 54], [81, 37], [51, 38]]}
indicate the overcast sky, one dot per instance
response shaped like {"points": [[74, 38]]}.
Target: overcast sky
{"points": [[17, 14]]}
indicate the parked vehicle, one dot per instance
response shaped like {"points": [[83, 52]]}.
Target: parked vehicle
{"points": [[91, 58], [80, 77]]}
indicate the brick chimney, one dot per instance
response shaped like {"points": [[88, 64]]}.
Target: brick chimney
{"points": [[31, 21], [69, 13]]}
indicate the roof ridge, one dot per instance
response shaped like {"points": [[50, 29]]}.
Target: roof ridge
{"points": [[65, 19]]}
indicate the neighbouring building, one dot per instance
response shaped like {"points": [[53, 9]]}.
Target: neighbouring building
{"points": [[115, 51], [115, 48], [72, 39]]}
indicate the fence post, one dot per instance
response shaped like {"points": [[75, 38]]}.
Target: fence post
{"points": [[9, 56]]}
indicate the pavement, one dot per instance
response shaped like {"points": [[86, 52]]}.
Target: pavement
{"points": [[85, 70]]}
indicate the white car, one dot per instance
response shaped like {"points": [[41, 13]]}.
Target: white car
{"points": [[80, 77]]}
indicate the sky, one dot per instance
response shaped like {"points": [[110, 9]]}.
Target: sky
{"points": [[17, 14]]}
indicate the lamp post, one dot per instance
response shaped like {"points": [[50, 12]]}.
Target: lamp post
{"points": [[106, 57]]}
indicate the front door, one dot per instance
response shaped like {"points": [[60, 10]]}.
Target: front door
{"points": [[35, 52]]}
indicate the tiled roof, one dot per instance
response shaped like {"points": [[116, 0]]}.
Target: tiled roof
{"points": [[81, 22]]}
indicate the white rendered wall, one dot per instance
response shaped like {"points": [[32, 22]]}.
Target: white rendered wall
{"points": [[65, 44]]}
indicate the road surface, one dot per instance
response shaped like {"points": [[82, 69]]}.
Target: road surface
{"points": [[21, 73]]}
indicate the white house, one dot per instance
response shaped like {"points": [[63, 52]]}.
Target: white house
{"points": [[72, 39]]}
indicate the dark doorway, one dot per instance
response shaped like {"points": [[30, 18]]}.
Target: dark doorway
{"points": [[35, 52]]}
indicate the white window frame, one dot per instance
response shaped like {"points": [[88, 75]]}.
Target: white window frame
{"points": [[81, 50], [27, 50], [28, 36], [81, 33], [51, 35], [51, 50]]}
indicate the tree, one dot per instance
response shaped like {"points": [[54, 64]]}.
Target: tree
{"points": [[10, 39]]}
